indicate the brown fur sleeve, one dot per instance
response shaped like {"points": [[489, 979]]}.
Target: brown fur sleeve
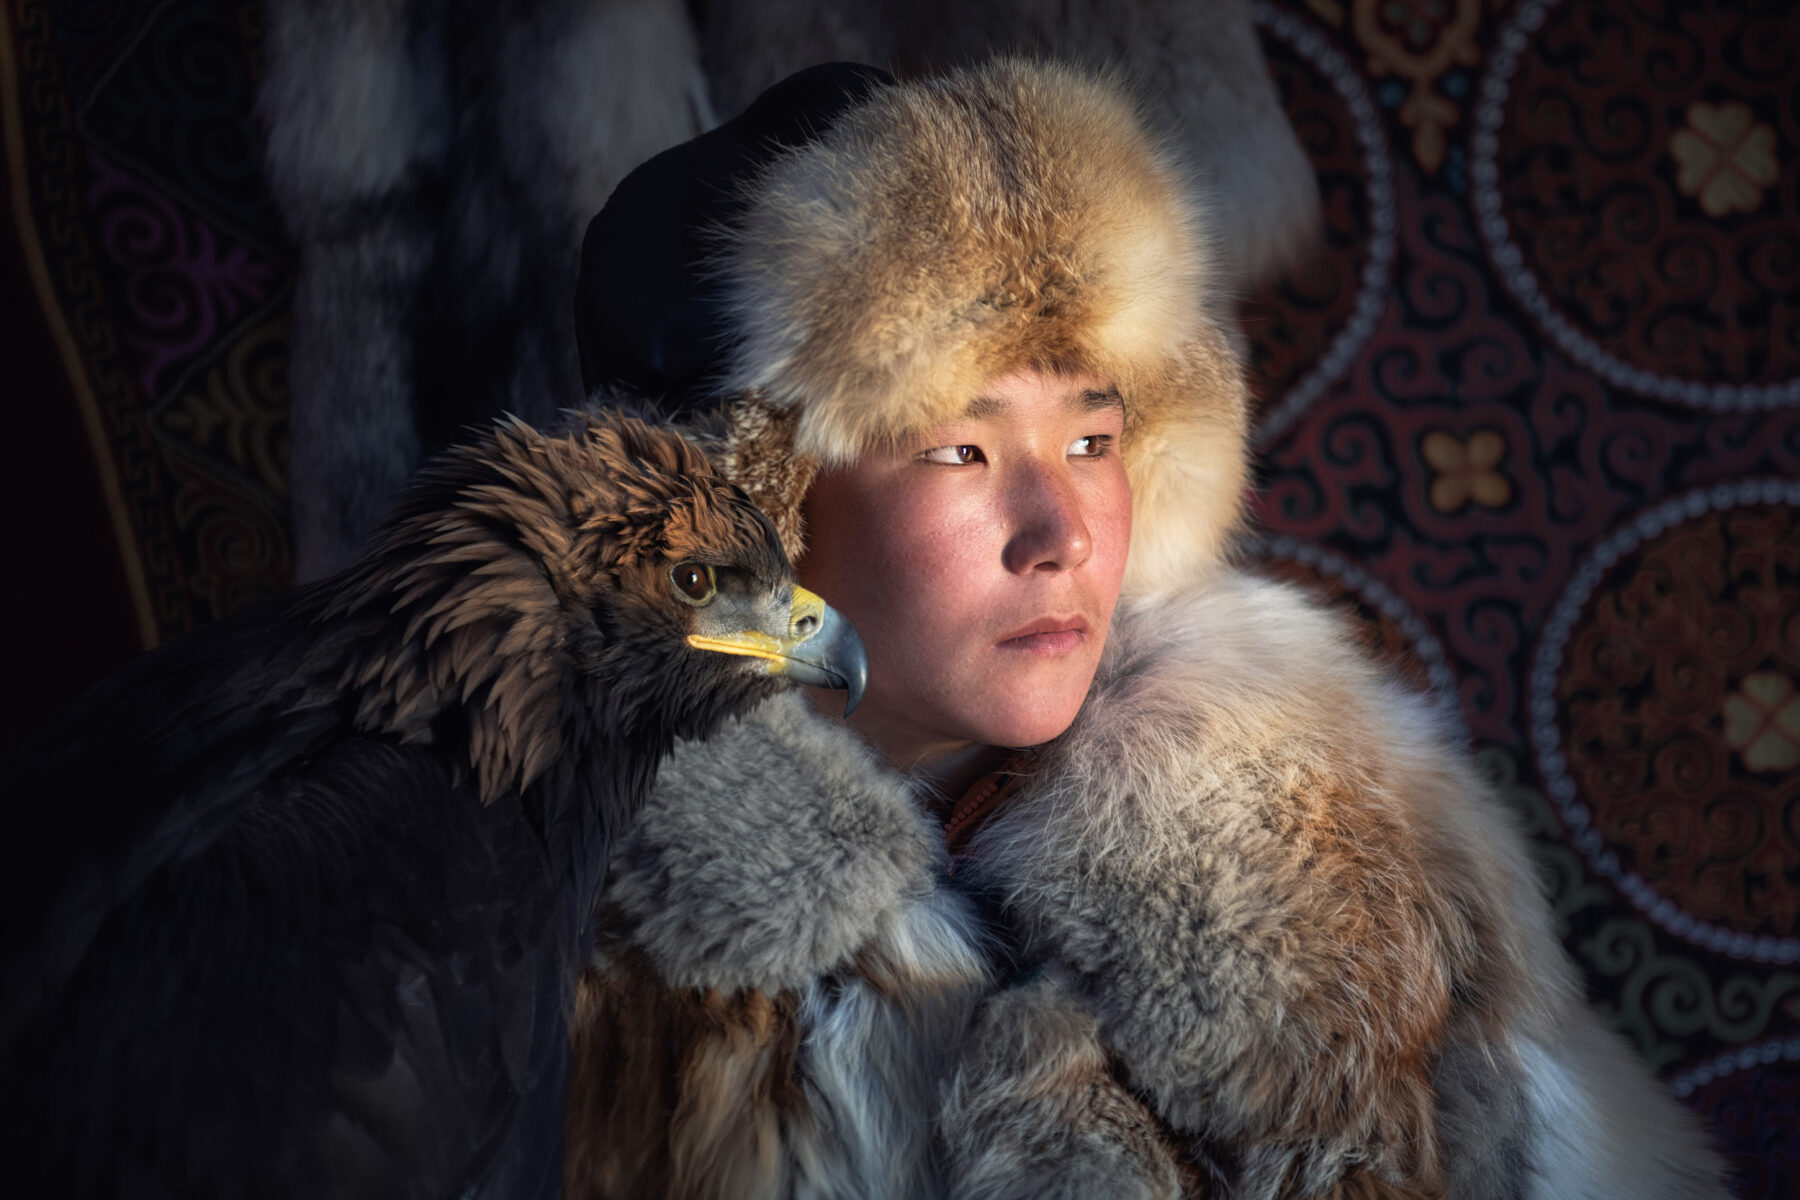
{"points": [[1034, 1110], [677, 1092]]}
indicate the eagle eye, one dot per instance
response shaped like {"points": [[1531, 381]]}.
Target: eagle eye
{"points": [[694, 582]]}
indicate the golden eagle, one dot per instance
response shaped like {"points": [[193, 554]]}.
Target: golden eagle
{"points": [[294, 905]]}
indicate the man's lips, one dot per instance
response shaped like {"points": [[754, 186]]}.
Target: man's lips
{"points": [[1047, 635]]}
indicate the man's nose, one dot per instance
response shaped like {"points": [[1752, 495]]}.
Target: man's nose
{"points": [[1049, 530]]}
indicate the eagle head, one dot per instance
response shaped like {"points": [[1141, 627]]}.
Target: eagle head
{"points": [[693, 598], [604, 585]]}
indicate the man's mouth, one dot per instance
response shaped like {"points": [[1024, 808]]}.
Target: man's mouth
{"points": [[1048, 636]]}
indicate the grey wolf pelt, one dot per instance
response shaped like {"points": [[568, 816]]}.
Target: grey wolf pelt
{"points": [[436, 162]]}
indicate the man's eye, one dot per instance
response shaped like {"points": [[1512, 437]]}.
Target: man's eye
{"points": [[1095, 445], [953, 456]]}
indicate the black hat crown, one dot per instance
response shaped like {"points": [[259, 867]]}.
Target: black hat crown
{"points": [[648, 316]]}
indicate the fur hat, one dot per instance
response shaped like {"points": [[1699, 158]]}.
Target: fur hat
{"points": [[927, 238]]}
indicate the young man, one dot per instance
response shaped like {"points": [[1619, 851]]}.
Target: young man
{"points": [[1131, 876]]}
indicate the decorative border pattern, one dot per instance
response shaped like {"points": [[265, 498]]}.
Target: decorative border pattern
{"points": [[1510, 262], [1378, 271], [1546, 737], [39, 164]]}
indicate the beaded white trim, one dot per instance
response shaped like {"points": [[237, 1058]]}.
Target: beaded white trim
{"points": [[1379, 268], [1744, 1058]]}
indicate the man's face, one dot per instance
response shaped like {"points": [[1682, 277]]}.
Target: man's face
{"points": [[980, 561]]}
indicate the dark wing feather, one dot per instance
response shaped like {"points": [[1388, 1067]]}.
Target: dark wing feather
{"points": [[142, 770], [253, 953]]}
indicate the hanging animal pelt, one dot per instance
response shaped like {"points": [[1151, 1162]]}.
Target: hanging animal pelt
{"points": [[293, 906], [436, 162]]}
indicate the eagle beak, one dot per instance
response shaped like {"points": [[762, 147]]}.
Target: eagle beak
{"points": [[819, 647]]}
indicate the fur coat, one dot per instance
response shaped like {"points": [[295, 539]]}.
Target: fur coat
{"points": [[1252, 927]]}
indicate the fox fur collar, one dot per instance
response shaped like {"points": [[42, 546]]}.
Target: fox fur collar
{"points": [[1279, 937]]}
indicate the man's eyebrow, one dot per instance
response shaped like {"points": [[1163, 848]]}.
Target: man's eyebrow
{"points": [[1088, 400], [984, 406], [1099, 400]]}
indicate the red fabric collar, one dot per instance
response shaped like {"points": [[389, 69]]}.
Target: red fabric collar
{"points": [[984, 797]]}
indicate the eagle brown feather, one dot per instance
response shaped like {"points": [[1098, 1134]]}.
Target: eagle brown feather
{"points": [[485, 592], [294, 906]]}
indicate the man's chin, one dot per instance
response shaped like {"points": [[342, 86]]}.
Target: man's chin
{"points": [[1027, 719], [1008, 702]]}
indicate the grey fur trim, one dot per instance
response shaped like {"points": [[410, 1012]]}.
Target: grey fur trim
{"points": [[351, 448], [876, 1049], [781, 856], [357, 106], [1601, 1130], [771, 855], [1485, 1121], [1034, 1112]]}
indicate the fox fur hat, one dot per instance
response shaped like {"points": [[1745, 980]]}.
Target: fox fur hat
{"points": [[854, 259]]}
